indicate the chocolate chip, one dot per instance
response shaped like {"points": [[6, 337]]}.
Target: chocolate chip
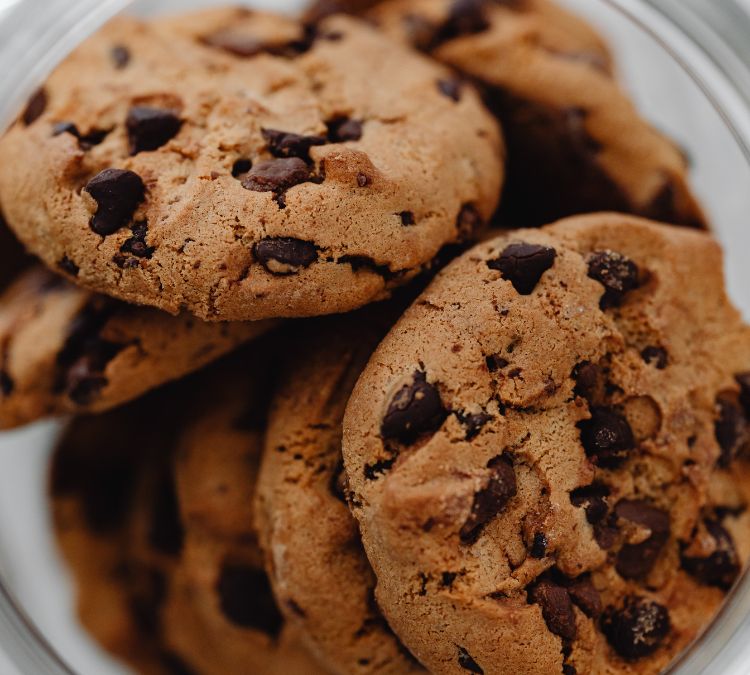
{"points": [[363, 180], [586, 375], [407, 218], [35, 107], [488, 502], [361, 262], [474, 423], [557, 608], [6, 383], [241, 167], [137, 243], [343, 130], [118, 193], [276, 175], [85, 378], [586, 597], [469, 223], [616, 273], [523, 265], [120, 56], [607, 436], [448, 578], [68, 266], [731, 429], [635, 560], [416, 408], [720, 568], [166, 533], [468, 663], [495, 363], [151, 128], [638, 629], [94, 137], [743, 379], [466, 17], [283, 144], [656, 356], [451, 88], [285, 255], [246, 599], [569, 670], [539, 547], [593, 498]]}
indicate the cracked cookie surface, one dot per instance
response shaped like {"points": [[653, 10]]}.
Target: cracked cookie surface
{"points": [[547, 455], [66, 350], [233, 164], [576, 144]]}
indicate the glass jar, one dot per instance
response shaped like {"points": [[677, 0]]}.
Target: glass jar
{"points": [[687, 65]]}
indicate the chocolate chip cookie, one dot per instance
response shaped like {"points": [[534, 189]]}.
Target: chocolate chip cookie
{"points": [[314, 555], [547, 455], [178, 571], [67, 350], [576, 144], [237, 165]]}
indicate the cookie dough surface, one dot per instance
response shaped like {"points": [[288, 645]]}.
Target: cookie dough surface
{"points": [[547, 454], [314, 554], [235, 165], [576, 144], [67, 350]]}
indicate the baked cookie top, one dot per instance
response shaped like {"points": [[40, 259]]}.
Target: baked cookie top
{"points": [[545, 455], [576, 144], [314, 554], [67, 350], [233, 164]]}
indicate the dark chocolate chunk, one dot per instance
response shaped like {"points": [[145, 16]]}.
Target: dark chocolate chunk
{"points": [[638, 629], [743, 379], [363, 180], [407, 218], [451, 88], [731, 429], [539, 547], [283, 144], [295, 253], [137, 243], [118, 193], [94, 137], [523, 265], [616, 273], [151, 128], [6, 383], [246, 599], [586, 597], [607, 436], [593, 498], [166, 532], [276, 175], [656, 356], [720, 568], [474, 423], [495, 363], [469, 224], [569, 670], [35, 107], [416, 408], [635, 560], [68, 266], [501, 488], [343, 129], [467, 17], [586, 375], [468, 663], [557, 608], [120, 56]]}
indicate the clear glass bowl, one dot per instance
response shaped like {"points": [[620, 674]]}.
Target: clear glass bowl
{"points": [[686, 63]]}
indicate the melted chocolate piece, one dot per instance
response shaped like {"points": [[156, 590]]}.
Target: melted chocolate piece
{"points": [[523, 265], [276, 175], [283, 144], [606, 436], [343, 130], [731, 429], [557, 608], [593, 498], [722, 567], [635, 560], [151, 128], [638, 629], [415, 409], [295, 253], [118, 194], [616, 273], [490, 501]]}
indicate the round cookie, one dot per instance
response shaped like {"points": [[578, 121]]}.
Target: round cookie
{"points": [[195, 598], [575, 142], [547, 454], [232, 164], [67, 350], [314, 555]]}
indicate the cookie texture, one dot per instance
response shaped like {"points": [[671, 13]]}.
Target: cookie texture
{"points": [[67, 350], [547, 454], [576, 144], [195, 598], [314, 555], [240, 166]]}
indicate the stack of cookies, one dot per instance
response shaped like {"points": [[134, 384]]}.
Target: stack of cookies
{"points": [[334, 413]]}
